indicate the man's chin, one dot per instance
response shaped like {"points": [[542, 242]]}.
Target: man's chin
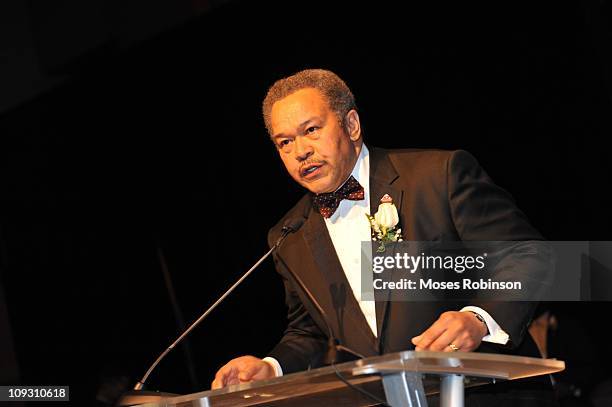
{"points": [[318, 186], [312, 189]]}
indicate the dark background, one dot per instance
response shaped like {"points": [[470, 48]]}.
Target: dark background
{"points": [[126, 127]]}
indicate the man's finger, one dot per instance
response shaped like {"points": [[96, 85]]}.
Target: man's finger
{"points": [[431, 334], [224, 377], [443, 341], [219, 380], [217, 383], [248, 371]]}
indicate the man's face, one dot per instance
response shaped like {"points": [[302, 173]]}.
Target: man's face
{"points": [[318, 152]]}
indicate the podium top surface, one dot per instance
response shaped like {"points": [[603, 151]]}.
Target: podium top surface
{"points": [[469, 364], [318, 385]]}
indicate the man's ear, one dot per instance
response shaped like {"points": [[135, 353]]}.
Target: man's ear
{"points": [[353, 126]]}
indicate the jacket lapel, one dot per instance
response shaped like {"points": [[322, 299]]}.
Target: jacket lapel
{"points": [[330, 287], [382, 176]]}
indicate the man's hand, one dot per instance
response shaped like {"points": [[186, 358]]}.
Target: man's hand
{"points": [[242, 370], [463, 330]]}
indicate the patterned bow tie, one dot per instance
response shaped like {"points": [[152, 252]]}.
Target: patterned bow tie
{"points": [[328, 202]]}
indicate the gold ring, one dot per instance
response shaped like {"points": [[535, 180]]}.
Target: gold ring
{"points": [[453, 347]]}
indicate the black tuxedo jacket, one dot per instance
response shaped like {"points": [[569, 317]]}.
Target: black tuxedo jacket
{"points": [[440, 195]]}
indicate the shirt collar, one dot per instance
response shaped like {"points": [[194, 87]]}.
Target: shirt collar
{"points": [[361, 170]]}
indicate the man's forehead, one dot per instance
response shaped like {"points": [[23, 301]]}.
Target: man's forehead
{"points": [[297, 107]]}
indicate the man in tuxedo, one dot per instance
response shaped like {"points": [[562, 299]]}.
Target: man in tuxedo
{"points": [[440, 195]]}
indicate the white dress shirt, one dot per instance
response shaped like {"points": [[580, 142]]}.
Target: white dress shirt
{"points": [[348, 227]]}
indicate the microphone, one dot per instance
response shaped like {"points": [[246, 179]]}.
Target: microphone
{"points": [[290, 226]]}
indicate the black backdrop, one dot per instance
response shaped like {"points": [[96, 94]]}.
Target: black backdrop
{"points": [[142, 149]]}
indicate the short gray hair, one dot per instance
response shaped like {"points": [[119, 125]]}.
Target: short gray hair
{"points": [[338, 95]]}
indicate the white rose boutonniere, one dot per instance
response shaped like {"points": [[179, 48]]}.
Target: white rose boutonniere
{"points": [[384, 223]]}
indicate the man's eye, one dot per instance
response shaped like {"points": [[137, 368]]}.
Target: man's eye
{"points": [[311, 129], [284, 143]]}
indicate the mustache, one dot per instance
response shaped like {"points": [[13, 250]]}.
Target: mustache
{"points": [[310, 162]]}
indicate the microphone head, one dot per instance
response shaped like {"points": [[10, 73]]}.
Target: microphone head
{"points": [[293, 224]]}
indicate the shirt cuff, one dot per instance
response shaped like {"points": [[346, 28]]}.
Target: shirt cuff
{"points": [[278, 370], [496, 334]]}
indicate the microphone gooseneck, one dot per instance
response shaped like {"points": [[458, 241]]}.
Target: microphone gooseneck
{"points": [[290, 226]]}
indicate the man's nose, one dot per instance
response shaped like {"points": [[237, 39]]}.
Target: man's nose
{"points": [[302, 149]]}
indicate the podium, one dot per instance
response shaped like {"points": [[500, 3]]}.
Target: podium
{"points": [[402, 379]]}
